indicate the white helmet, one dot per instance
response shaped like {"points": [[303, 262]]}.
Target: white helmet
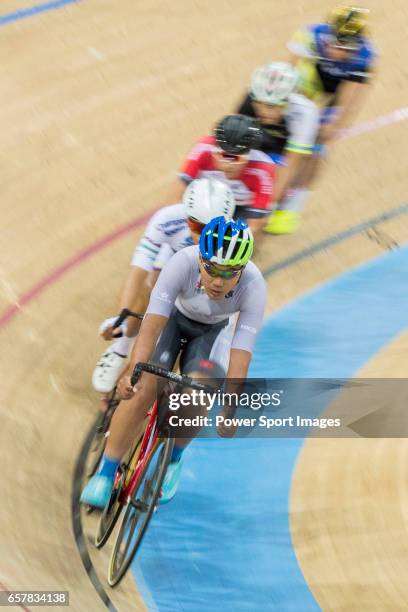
{"points": [[273, 83], [207, 198]]}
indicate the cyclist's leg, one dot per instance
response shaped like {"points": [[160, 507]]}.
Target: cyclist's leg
{"points": [[286, 218], [254, 217], [130, 413], [205, 356]]}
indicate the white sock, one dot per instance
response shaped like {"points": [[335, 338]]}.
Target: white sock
{"points": [[122, 345], [295, 200]]}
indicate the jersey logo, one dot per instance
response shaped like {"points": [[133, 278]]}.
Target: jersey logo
{"points": [[171, 232], [172, 227], [205, 363], [164, 297], [248, 328]]}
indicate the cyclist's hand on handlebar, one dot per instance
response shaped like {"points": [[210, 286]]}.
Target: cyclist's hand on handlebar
{"points": [[109, 332], [124, 389]]}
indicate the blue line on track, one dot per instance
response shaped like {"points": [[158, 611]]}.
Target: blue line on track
{"points": [[224, 542], [34, 10]]}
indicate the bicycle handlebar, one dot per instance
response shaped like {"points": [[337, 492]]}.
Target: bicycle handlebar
{"points": [[164, 373], [124, 314]]}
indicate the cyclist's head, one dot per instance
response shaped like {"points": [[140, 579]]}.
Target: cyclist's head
{"points": [[235, 136], [225, 249], [349, 24], [271, 86], [205, 199]]}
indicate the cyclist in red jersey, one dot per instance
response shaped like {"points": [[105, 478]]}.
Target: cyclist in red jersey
{"points": [[231, 155]]}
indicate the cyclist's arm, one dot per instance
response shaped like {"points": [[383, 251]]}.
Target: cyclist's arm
{"points": [[248, 325], [287, 173], [149, 333], [350, 98], [353, 90], [251, 315], [134, 296], [239, 363]]}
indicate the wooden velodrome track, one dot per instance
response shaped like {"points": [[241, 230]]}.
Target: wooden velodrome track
{"points": [[101, 100]]}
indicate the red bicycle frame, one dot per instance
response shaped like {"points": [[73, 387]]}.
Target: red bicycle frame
{"points": [[147, 445]]}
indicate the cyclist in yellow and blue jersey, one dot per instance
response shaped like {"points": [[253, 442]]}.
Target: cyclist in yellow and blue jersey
{"points": [[335, 61]]}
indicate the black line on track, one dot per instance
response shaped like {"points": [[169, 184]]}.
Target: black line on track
{"points": [[336, 238], [76, 520], [361, 228]]}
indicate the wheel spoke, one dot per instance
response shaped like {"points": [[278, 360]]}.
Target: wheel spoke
{"points": [[139, 511], [133, 521]]}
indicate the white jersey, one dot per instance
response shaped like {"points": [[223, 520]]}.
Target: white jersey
{"points": [[166, 233], [302, 118], [179, 285], [296, 130]]}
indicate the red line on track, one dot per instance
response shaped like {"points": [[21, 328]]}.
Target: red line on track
{"points": [[74, 261], [4, 588]]}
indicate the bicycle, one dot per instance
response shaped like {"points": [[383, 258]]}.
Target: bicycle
{"points": [[139, 480]]}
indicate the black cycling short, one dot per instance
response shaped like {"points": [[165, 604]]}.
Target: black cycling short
{"points": [[193, 340], [249, 212]]}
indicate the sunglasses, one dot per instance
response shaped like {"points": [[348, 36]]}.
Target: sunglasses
{"points": [[214, 272], [231, 157], [195, 226]]}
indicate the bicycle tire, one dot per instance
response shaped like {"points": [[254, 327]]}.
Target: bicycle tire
{"points": [[113, 509], [95, 453], [97, 442], [116, 572]]}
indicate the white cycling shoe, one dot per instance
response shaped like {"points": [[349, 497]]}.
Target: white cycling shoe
{"points": [[107, 370]]}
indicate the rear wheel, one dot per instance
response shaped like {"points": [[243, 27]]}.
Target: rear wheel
{"points": [[139, 510]]}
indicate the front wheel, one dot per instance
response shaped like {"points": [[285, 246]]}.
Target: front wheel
{"points": [[139, 510]]}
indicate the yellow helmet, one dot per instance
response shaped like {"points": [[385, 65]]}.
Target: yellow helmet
{"points": [[348, 22]]}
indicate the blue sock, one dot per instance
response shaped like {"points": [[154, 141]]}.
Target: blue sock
{"points": [[108, 466], [176, 454]]}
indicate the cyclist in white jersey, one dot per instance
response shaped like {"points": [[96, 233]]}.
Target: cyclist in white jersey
{"points": [[197, 292], [290, 125], [170, 229]]}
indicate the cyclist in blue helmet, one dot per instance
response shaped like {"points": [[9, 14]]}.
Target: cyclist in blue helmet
{"points": [[192, 312]]}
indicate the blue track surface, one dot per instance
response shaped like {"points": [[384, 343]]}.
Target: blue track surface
{"points": [[224, 541]]}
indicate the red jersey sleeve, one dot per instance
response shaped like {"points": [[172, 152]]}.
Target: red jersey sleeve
{"points": [[260, 178], [198, 159]]}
